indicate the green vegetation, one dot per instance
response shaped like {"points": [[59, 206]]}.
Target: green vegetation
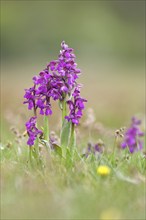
{"points": [[67, 189]]}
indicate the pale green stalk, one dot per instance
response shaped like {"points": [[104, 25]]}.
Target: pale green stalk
{"points": [[63, 143], [46, 128], [36, 147], [72, 139], [63, 110], [31, 156], [65, 130]]}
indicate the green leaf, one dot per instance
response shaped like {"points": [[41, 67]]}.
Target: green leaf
{"points": [[72, 143], [46, 128], [76, 156], [57, 149], [65, 136]]}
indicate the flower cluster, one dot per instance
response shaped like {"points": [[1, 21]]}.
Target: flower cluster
{"points": [[76, 107], [132, 137], [56, 82], [32, 130]]}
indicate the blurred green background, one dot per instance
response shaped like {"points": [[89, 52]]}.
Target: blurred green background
{"points": [[108, 38]]}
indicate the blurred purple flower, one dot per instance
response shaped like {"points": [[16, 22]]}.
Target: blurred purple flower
{"points": [[32, 131], [95, 148], [76, 107], [132, 137]]}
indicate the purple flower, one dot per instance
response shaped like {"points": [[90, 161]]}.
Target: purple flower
{"points": [[66, 67], [132, 137], [97, 148], [38, 96], [56, 81], [32, 130], [30, 96], [76, 107]]}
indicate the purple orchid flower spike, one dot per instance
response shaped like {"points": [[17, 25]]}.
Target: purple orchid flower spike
{"points": [[56, 82], [76, 107], [32, 131], [132, 137]]}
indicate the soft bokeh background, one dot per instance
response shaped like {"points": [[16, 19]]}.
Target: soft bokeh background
{"points": [[108, 38]]}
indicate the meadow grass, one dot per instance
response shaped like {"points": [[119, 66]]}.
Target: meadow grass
{"points": [[66, 189], [71, 189]]}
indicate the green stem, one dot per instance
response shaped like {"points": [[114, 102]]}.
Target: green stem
{"points": [[115, 146], [36, 148], [30, 155], [72, 138], [62, 129], [63, 110], [46, 128]]}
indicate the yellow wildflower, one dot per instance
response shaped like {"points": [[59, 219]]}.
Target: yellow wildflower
{"points": [[103, 170]]}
